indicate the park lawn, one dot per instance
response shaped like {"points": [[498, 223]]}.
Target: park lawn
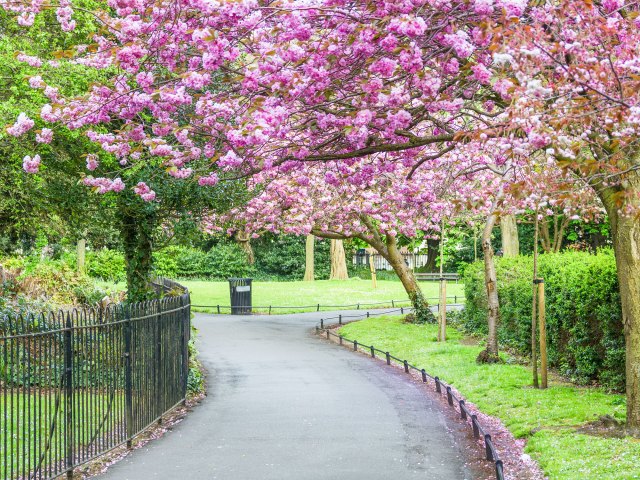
{"points": [[327, 293], [547, 418], [29, 416]]}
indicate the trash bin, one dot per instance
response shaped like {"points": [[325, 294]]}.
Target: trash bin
{"points": [[240, 289]]}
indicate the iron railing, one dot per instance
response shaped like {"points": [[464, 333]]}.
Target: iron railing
{"points": [[319, 307], [441, 387], [76, 384]]}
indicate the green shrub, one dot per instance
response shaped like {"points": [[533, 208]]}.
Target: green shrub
{"points": [[584, 320], [226, 260], [106, 264], [165, 262]]}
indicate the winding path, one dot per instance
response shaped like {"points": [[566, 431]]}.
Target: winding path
{"points": [[284, 404]]}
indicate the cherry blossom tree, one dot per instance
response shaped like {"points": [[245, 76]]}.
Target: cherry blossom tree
{"points": [[259, 86], [369, 199]]}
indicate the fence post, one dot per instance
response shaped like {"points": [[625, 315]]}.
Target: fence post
{"points": [[339, 319], [184, 345], [438, 385], [449, 397], [424, 375], [463, 414], [367, 314], [487, 445], [474, 424], [388, 358], [373, 352], [406, 366], [128, 393], [218, 308], [157, 384], [355, 345], [68, 383], [318, 308], [322, 323], [340, 336]]}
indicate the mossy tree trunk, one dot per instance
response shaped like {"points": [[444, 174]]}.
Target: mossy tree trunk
{"points": [[137, 226]]}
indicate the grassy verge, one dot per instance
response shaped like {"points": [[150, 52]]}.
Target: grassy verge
{"points": [[549, 419]]}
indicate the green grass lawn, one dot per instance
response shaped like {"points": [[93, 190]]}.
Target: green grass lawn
{"points": [[323, 292], [547, 418]]}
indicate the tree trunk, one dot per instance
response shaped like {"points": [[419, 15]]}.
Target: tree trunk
{"points": [[510, 241], [432, 254], [244, 240], [81, 250], [136, 232], [309, 259], [625, 231], [338, 261], [391, 253], [490, 355]]}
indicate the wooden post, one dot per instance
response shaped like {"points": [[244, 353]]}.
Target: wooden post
{"points": [[543, 334], [81, 249], [373, 272], [442, 333], [442, 309], [534, 341]]}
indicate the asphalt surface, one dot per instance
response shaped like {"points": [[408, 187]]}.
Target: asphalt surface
{"points": [[283, 404]]}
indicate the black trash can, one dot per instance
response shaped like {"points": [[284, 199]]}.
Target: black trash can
{"points": [[240, 289]]}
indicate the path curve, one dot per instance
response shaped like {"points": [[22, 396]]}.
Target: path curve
{"points": [[283, 404]]}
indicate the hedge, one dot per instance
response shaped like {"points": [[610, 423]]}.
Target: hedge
{"points": [[583, 312]]}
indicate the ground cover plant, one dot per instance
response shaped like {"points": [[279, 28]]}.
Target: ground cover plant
{"points": [[549, 419]]}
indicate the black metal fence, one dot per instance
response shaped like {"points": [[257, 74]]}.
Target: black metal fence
{"points": [[76, 384], [269, 309], [441, 387]]}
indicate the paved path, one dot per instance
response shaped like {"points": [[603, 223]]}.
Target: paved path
{"points": [[285, 405]]}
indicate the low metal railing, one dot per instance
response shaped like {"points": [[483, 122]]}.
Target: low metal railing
{"points": [[440, 386], [220, 309], [77, 384]]}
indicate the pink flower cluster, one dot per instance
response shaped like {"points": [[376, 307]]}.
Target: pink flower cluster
{"points": [[23, 125], [143, 190], [31, 165], [209, 180], [104, 185], [45, 135], [92, 162]]}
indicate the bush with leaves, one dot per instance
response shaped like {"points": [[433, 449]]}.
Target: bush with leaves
{"points": [[106, 265], [583, 312]]}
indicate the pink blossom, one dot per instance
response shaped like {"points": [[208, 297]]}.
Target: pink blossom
{"points": [[92, 162], [31, 165], [23, 125], [481, 74], [36, 82], [45, 136], [29, 59], [143, 190], [208, 181], [385, 67]]}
